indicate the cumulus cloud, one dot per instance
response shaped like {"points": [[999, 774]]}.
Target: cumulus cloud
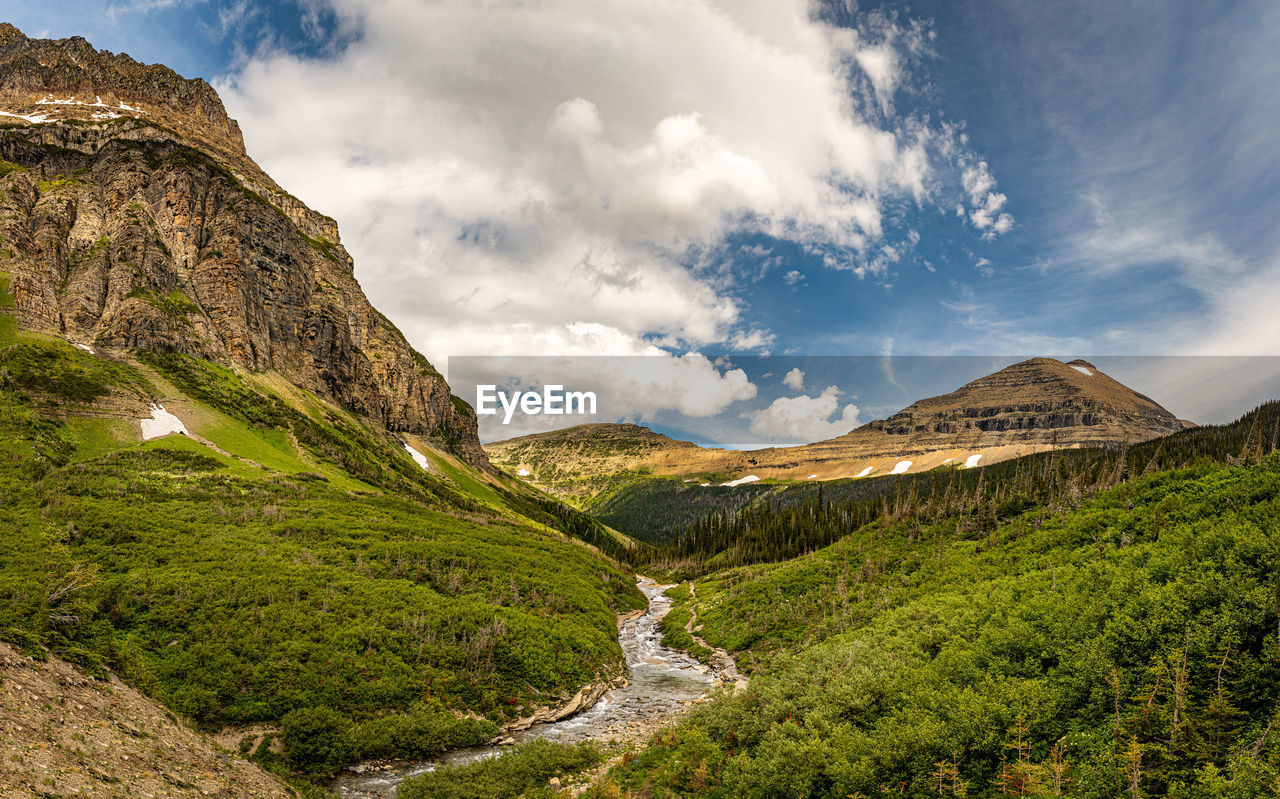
{"points": [[804, 419], [985, 202], [634, 388], [794, 379], [505, 170]]}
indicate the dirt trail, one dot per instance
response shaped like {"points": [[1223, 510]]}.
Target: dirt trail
{"points": [[726, 667]]}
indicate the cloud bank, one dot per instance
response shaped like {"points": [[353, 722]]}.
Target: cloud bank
{"points": [[527, 178]]}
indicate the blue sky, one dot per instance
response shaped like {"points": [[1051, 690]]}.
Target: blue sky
{"points": [[658, 196]]}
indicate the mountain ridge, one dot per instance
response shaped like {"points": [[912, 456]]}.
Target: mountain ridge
{"points": [[1027, 407]]}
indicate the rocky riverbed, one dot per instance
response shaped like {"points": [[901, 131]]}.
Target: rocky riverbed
{"points": [[664, 682]]}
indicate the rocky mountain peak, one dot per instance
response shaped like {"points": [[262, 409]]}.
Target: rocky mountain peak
{"points": [[68, 78], [131, 217]]}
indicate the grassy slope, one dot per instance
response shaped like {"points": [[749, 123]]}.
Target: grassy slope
{"points": [[1139, 631], [268, 582]]}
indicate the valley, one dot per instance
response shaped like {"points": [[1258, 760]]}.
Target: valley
{"points": [[661, 685], [251, 543]]}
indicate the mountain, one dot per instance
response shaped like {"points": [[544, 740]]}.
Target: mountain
{"points": [[132, 218], [1031, 406], [230, 483]]}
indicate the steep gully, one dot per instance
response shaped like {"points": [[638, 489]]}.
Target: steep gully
{"points": [[664, 682]]}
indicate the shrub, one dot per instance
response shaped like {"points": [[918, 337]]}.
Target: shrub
{"points": [[317, 739]]}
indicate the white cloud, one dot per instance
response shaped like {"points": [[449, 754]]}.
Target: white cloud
{"points": [[985, 202], [792, 277], [515, 177], [754, 339], [804, 419], [116, 10], [635, 388], [794, 379]]}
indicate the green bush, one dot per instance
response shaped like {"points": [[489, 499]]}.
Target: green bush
{"points": [[317, 738], [419, 732], [507, 776]]}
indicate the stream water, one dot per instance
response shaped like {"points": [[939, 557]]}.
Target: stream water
{"points": [[663, 681]]}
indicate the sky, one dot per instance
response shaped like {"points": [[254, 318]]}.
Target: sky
{"points": [[705, 180]]}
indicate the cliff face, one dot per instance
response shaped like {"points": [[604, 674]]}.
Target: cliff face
{"points": [[131, 217]]}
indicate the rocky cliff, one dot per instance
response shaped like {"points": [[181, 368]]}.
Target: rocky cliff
{"points": [[131, 217]]}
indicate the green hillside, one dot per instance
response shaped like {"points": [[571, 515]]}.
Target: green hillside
{"points": [[286, 564], [695, 529], [1124, 645]]}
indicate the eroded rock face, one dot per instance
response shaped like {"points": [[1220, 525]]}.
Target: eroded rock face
{"points": [[132, 218]]}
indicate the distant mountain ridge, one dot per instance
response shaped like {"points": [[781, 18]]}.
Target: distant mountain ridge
{"points": [[1031, 406], [132, 218]]}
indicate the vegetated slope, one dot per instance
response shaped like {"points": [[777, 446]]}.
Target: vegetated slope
{"points": [[66, 733], [132, 217], [319, 546], [1032, 406], [1120, 646], [284, 564], [699, 529], [580, 462]]}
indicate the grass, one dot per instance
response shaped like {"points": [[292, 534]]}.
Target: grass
{"points": [[240, 593], [56, 183], [95, 436], [8, 320], [175, 304]]}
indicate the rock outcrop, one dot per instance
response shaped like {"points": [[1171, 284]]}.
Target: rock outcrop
{"points": [[132, 218], [63, 733]]}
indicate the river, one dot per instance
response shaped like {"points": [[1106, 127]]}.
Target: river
{"points": [[663, 682]]}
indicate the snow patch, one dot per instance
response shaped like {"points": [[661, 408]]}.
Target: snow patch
{"points": [[864, 472], [948, 460], [161, 423], [1082, 370], [972, 461], [84, 347], [49, 99], [418, 458], [901, 467], [33, 118], [751, 478], [810, 477], [704, 485], [523, 472]]}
